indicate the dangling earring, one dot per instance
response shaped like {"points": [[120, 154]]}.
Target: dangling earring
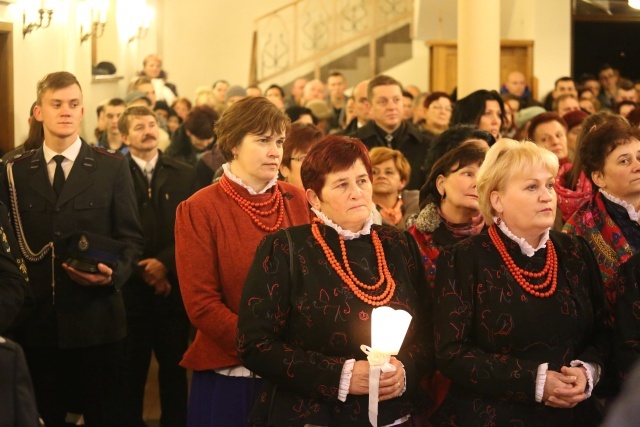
{"points": [[499, 220], [443, 196]]}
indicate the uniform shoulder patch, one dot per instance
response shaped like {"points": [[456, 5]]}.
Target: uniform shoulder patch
{"points": [[107, 152], [22, 156]]}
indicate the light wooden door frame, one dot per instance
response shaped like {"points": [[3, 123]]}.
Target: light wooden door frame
{"points": [[7, 113], [443, 69]]}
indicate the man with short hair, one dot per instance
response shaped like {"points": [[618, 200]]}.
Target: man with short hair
{"points": [[77, 209], [413, 90], [361, 108], [565, 103], [144, 85], [516, 85], [419, 110], [336, 84], [563, 85], [387, 129], [100, 124], [297, 93], [407, 106], [110, 138], [626, 91], [314, 90], [609, 86], [253, 90], [156, 318]]}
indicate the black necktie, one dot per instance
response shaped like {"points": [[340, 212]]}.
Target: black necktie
{"points": [[58, 175]]}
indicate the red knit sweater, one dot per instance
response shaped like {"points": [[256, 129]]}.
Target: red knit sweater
{"points": [[215, 245]]}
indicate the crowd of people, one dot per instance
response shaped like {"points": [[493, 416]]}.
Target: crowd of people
{"points": [[247, 235]]}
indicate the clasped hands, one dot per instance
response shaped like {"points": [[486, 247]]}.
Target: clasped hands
{"points": [[565, 389], [391, 383]]}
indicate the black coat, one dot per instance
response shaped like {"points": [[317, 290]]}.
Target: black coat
{"points": [[298, 325], [492, 335], [13, 274], [97, 197], [18, 402], [414, 145], [173, 182]]}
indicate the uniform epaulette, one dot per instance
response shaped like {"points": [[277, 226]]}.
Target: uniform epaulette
{"points": [[22, 156], [107, 152]]}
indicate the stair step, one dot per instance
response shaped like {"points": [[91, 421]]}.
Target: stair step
{"points": [[394, 54]]}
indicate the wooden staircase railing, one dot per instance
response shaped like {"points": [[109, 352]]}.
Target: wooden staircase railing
{"points": [[309, 31]]}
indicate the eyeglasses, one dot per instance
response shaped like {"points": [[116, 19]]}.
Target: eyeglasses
{"points": [[440, 107], [299, 158]]}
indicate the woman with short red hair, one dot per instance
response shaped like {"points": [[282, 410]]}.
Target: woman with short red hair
{"points": [[307, 302]]}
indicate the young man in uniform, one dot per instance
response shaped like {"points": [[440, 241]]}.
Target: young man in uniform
{"points": [[74, 199]]}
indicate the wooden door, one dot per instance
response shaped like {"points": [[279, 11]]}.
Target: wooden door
{"points": [[514, 55], [7, 131]]}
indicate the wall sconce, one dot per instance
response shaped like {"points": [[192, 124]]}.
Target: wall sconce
{"points": [[34, 17], [634, 4], [145, 14], [93, 16]]}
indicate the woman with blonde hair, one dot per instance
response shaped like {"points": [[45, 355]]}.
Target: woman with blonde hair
{"points": [[391, 172], [519, 309]]}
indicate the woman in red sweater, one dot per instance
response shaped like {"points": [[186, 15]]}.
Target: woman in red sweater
{"points": [[217, 232]]}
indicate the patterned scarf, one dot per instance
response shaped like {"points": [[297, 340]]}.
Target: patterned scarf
{"points": [[570, 200], [392, 215], [465, 229]]}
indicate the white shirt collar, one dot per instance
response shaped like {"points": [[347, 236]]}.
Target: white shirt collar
{"points": [[525, 247], [141, 163], [346, 234], [71, 153], [630, 209], [232, 177]]}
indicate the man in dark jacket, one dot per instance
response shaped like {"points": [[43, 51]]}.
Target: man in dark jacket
{"points": [[156, 317], [386, 128], [73, 198]]}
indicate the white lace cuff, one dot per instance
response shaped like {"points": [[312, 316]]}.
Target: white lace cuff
{"points": [[593, 374], [405, 380], [541, 379], [345, 379]]}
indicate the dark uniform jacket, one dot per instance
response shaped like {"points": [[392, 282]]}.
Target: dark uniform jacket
{"points": [[97, 197], [412, 143], [173, 181], [17, 400], [13, 274]]}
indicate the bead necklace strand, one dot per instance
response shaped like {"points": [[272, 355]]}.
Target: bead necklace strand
{"points": [[251, 208], [357, 287], [550, 269]]}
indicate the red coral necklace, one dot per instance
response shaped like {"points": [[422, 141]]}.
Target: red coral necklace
{"points": [[357, 287], [550, 269], [252, 208]]}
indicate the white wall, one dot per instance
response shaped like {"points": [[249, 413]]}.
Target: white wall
{"points": [[207, 40], [204, 40], [58, 48], [546, 22]]}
